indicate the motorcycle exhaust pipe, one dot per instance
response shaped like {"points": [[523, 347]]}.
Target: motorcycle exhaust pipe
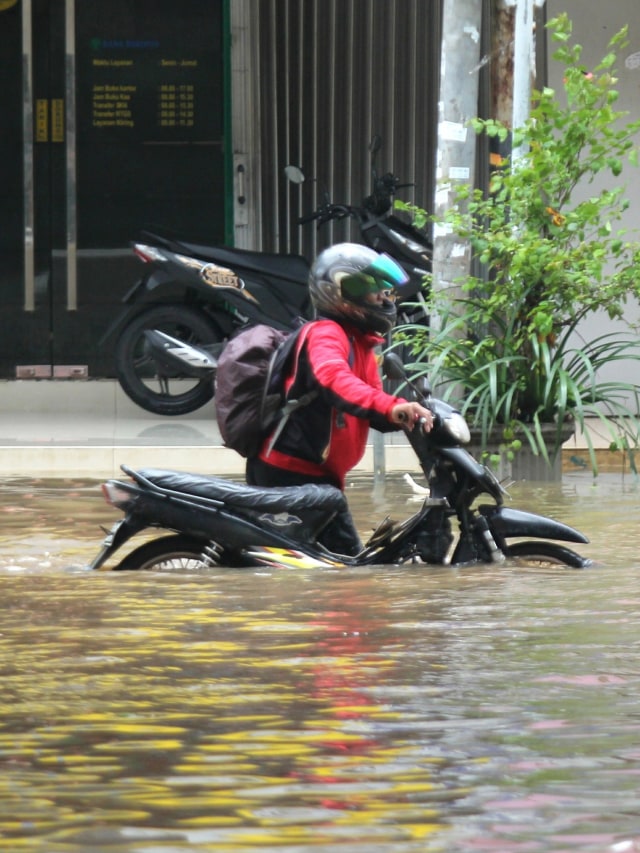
{"points": [[176, 355]]}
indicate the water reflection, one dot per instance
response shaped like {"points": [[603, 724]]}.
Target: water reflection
{"points": [[370, 710]]}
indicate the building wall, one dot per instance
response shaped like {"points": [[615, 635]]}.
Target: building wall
{"points": [[594, 24]]}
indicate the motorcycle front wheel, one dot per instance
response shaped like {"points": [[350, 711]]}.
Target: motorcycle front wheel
{"points": [[545, 554], [169, 553], [150, 385]]}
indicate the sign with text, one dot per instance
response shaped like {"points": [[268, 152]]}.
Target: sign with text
{"points": [[149, 90]]}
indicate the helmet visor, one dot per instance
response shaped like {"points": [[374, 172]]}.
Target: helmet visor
{"points": [[382, 274]]}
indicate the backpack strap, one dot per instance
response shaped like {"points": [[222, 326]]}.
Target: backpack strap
{"points": [[285, 413], [290, 406]]}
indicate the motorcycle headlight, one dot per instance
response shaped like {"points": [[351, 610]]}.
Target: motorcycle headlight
{"points": [[457, 427]]}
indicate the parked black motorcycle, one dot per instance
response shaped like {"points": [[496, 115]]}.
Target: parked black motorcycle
{"points": [[188, 303], [215, 522], [192, 298]]}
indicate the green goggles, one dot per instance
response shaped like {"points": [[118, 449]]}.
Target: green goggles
{"points": [[383, 274]]}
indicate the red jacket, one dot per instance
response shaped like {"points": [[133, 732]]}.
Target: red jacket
{"points": [[327, 438]]}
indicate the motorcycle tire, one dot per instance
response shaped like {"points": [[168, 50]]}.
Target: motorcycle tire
{"points": [[138, 373], [545, 554], [165, 554]]}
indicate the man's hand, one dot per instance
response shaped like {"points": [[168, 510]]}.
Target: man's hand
{"points": [[409, 414]]}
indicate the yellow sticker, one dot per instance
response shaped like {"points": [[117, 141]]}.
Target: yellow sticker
{"points": [[219, 276], [57, 120], [42, 119]]}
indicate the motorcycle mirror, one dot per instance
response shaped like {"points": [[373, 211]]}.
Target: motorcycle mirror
{"points": [[294, 174], [393, 367]]}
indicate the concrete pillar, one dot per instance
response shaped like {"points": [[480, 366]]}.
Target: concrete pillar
{"points": [[458, 103]]}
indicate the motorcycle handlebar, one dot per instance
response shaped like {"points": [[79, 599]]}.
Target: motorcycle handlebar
{"points": [[303, 220], [327, 213], [379, 203]]}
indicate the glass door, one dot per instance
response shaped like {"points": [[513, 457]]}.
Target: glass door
{"points": [[113, 120], [25, 268]]}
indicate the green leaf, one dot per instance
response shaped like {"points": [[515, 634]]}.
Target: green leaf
{"points": [[545, 256]]}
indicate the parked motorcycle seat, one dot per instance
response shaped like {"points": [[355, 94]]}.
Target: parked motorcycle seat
{"points": [[284, 498]]}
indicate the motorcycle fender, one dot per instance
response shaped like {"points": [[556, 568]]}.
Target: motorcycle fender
{"points": [[131, 296], [173, 282], [120, 533], [137, 299], [505, 523]]}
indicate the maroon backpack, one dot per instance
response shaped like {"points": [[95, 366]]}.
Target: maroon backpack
{"points": [[250, 398]]}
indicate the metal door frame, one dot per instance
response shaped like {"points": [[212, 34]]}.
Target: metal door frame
{"points": [[70, 155]]}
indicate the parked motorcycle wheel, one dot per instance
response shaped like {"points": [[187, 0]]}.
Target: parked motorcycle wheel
{"points": [[546, 554], [165, 554], [151, 386]]}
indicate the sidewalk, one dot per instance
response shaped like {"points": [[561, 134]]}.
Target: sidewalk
{"points": [[78, 428], [89, 428]]}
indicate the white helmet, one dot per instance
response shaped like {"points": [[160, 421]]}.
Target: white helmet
{"points": [[342, 277]]}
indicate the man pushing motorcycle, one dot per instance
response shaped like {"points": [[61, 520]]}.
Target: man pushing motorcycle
{"points": [[352, 290]]}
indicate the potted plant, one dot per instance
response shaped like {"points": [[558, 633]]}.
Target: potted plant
{"points": [[508, 346]]}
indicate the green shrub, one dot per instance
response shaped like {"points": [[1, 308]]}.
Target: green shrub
{"points": [[548, 240]]}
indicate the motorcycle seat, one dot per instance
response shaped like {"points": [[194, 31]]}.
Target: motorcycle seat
{"points": [[283, 266], [312, 496]]}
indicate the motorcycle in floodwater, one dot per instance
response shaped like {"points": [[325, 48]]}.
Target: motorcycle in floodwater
{"points": [[192, 298], [210, 521]]}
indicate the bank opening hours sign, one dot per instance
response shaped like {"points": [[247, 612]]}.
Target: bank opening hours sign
{"points": [[150, 90]]}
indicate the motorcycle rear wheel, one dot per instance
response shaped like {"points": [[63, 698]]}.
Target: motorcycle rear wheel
{"points": [[169, 553], [150, 386], [545, 554]]}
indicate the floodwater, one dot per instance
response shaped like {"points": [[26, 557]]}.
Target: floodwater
{"points": [[388, 709]]}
